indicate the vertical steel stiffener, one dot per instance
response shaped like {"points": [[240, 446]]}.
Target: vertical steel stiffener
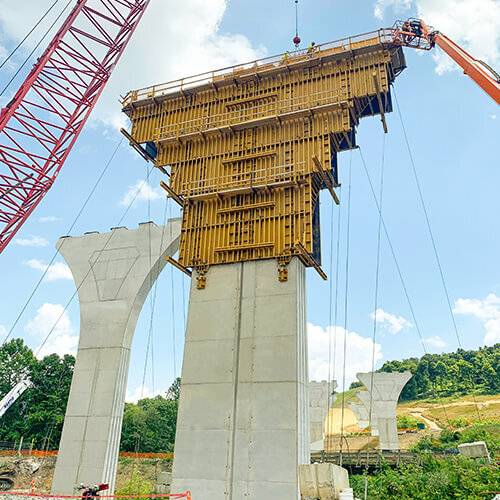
{"points": [[249, 148], [39, 126]]}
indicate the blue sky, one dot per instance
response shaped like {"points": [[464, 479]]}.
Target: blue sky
{"points": [[453, 128]]}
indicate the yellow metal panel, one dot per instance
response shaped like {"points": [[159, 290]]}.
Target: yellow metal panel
{"points": [[240, 145]]}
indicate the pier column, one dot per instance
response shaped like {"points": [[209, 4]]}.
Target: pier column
{"points": [[319, 404], [384, 399], [242, 428], [113, 273]]}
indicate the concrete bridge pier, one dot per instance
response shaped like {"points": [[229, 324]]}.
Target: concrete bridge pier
{"points": [[114, 273], [242, 428], [384, 399]]}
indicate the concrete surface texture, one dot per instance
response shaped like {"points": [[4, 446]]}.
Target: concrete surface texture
{"points": [[242, 428], [113, 273], [385, 389], [323, 481], [477, 449], [365, 402], [320, 399], [361, 413]]}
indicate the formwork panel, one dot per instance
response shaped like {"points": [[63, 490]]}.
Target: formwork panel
{"points": [[249, 149]]}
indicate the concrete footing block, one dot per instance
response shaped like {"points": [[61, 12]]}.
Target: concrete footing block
{"points": [[323, 481], [477, 449]]}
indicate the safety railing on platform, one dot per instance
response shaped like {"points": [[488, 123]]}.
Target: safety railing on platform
{"points": [[271, 108], [383, 37], [267, 176]]}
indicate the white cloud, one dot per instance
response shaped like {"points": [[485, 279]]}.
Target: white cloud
{"points": [[56, 271], [140, 191], [436, 341], [48, 218], [32, 241], [142, 392], [493, 117], [391, 322], [358, 353], [396, 5], [174, 39], [487, 311], [62, 339], [473, 24]]}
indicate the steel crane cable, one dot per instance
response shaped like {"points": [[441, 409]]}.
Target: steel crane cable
{"points": [[56, 253], [153, 303], [172, 309], [35, 26], [375, 301], [35, 48], [91, 266], [377, 278], [332, 356], [149, 344], [71, 227], [431, 235], [397, 265], [346, 303]]}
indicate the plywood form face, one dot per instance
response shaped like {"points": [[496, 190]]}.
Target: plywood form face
{"points": [[240, 150]]}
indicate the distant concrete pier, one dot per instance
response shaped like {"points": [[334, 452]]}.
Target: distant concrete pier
{"points": [[320, 400], [383, 400], [113, 273], [242, 428]]}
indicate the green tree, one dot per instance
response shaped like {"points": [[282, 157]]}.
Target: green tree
{"points": [[39, 413], [149, 425]]}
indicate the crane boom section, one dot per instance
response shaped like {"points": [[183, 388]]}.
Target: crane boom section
{"points": [[41, 123], [13, 395], [472, 67]]}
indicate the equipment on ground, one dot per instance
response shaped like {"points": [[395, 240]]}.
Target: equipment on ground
{"points": [[41, 123], [89, 492], [6, 479], [14, 394]]}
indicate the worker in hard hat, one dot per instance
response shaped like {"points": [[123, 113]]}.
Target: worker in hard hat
{"points": [[312, 48], [285, 58]]}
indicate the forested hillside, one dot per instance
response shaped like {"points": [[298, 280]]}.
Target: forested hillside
{"points": [[450, 374]]}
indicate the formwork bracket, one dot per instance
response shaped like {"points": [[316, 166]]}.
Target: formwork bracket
{"points": [[201, 278], [283, 261], [178, 265], [380, 103], [172, 194], [327, 179]]}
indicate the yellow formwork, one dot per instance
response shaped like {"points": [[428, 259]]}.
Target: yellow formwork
{"points": [[249, 149]]}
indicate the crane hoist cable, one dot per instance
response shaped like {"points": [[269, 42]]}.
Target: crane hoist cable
{"points": [[92, 265], [68, 231], [35, 26], [346, 305], [432, 239], [296, 38], [30, 55]]}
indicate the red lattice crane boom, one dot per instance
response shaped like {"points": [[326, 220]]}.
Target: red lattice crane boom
{"points": [[40, 125]]}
